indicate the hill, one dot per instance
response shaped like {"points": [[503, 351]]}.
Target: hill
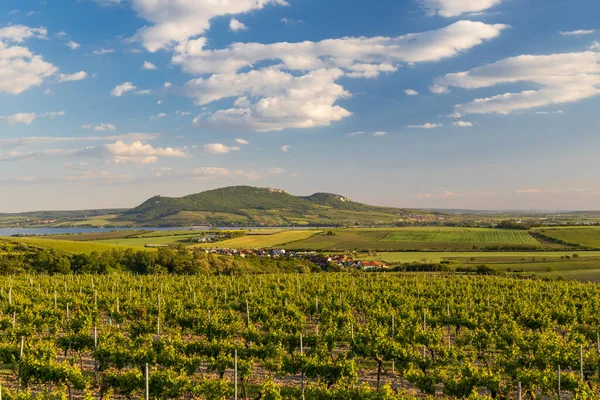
{"points": [[251, 206]]}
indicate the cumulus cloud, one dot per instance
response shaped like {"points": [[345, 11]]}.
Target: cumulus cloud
{"points": [[454, 8], [242, 141], [73, 45], [560, 78], [148, 65], [137, 152], [209, 173], [595, 46], [235, 25], [578, 32], [219, 148], [300, 89], [176, 21], [410, 92], [123, 88], [78, 76], [285, 148], [28, 118], [100, 128], [427, 125], [20, 68], [19, 33], [463, 124], [379, 133], [40, 140]]}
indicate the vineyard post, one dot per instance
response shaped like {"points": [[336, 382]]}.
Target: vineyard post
{"points": [[581, 361], [301, 368], [67, 311], [158, 326], [20, 364], [598, 350], [146, 383], [95, 349], [0, 392], [392, 326], [247, 314], [520, 391], [235, 375]]}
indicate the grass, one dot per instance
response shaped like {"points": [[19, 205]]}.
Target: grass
{"points": [[462, 235], [68, 246], [588, 236], [262, 241], [154, 240]]}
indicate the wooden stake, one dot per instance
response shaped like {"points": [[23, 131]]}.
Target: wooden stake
{"points": [[147, 383], [235, 375]]}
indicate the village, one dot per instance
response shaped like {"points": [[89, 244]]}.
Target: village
{"points": [[340, 260]]}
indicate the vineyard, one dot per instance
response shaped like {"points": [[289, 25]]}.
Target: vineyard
{"points": [[292, 336]]}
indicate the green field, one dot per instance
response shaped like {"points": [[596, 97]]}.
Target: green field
{"points": [[262, 241], [390, 239], [588, 236], [68, 246], [461, 235], [154, 240]]}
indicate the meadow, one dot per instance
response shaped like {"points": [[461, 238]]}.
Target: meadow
{"points": [[263, 241], [588, 236], [69, 246]]}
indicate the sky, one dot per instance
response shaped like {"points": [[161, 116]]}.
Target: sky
{"points": [[472, 104]]}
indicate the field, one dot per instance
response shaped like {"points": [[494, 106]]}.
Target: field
{"points": [[583, 236], [437, 239], [68, 246], [478, 236], [434, 336], [262, 241]]}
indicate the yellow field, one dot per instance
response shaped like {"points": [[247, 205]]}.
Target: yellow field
{"points": [[262, 241], [66, 246]]}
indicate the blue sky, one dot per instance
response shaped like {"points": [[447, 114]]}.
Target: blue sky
{"points": [[486, 104]]}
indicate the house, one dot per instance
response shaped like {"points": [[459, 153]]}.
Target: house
{"points": [[373, 265]]}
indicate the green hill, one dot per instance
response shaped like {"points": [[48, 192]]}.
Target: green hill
{"points": [[251, 206]]}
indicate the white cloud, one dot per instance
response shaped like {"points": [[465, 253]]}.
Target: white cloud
{"points": [[209, 173], [285, 148], [144, 92], [167, 85], [444, 195], [48, 92], [176, 21], [158, 103], [290, 21], [300, 89], [40, 140], [577, 32], [236, 25], [242, 141], [219, 148], [277, 171], [182, 113], [19, 33], [159, 116], [103, 51], [123, 88], [21, 69], [137, 152], [463, 124], [428, 125], [78, 76], [559, 78], [100, 128], [454, 8], [73, 45], [355, 134], [28, 118], [148, 65], [346, 53], [379, 133], [410, 92], [595, 46]]}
